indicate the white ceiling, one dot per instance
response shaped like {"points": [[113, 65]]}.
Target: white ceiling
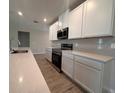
{"points": [[37, 10]]}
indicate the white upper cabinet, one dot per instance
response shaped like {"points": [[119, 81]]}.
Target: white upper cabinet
{"points": [[63, 19], [60, 21], [98, 18], [50, 32], [93, 18], [53, 31], [75, 22]]}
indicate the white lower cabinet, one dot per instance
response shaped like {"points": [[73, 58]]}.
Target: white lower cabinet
{"points": [[48, 55], [67, 66], [90, 74], [88, 77]]}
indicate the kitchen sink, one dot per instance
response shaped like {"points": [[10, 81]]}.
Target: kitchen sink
{"points": [[19, 51]]}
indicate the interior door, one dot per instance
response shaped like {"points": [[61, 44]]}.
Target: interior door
{"points": [[24, 39]]}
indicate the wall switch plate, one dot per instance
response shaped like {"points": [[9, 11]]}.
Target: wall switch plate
{"points": [[100, 41]]}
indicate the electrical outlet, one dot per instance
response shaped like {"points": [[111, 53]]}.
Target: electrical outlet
{"points": [[112, 45], [99, 47], [76, 45]]}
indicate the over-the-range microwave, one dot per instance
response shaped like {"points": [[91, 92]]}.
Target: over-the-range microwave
{"points": [[63, 34]]}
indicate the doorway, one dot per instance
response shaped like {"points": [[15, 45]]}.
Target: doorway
{"points": [[24, 39]]}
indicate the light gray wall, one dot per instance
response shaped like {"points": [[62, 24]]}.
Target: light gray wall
{"points": [[38, 40], [92, 45], [13, 36], [39, 33]]}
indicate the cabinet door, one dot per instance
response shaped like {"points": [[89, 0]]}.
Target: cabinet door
{"points": [[48, 55], [98, 18], [55, 29], [63, 20], [67, 66], [87, 77], [60, 22], [50, 32], [75, 22]]}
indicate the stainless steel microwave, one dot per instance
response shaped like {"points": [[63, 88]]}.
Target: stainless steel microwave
{"points": [[63, 34]]}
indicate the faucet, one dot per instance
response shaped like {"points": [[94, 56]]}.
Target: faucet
{"points": [[19, 43]]}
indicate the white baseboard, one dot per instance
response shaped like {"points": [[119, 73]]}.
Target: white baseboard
{"points": [[107, 90]]}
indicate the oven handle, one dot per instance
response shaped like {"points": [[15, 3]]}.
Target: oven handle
{"points": [[57, 54]]}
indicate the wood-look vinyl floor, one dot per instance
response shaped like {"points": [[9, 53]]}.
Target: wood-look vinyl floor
{"points": [[57, 83]]}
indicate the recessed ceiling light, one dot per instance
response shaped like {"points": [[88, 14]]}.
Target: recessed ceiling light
{"points": [[20, 13], [20, 79], [44, 19]]}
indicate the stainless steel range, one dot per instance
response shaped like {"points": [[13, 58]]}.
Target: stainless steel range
{"points": [[57, 55]]}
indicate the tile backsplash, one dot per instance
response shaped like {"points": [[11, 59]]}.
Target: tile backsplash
{"points": [[103, 45]]}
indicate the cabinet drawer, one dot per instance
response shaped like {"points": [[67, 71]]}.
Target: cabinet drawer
{"points": [[89, 62], [67, 54]]}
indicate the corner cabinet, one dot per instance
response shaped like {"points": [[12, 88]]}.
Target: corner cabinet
{"points": [[53, 31], [98, 18], [75, 22]]}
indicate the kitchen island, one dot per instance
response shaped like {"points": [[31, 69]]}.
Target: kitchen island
{"points": [[25, 75]]}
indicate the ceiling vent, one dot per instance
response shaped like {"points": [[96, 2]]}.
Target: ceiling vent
{"points": [[35, 21]]}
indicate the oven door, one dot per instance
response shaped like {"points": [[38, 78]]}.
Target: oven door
{"points": [[56, 60]]}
